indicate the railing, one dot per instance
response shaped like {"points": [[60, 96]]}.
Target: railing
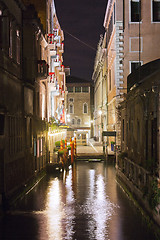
{"points": [[140, 177]]}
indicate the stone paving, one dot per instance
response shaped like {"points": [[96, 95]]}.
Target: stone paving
{"points": [[93, 148]]}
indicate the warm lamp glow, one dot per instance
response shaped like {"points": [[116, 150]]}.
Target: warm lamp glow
{"points": [[100, 112]]}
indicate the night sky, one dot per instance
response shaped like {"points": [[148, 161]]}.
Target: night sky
{"points": [[84, 20]]}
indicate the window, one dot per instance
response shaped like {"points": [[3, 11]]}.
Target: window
{"points": [[85, 89], [4, 30], [109, 79], [70, 89], [18, 46], [123, 130], [134, 65], [135, 10], [71, 100], [154, 138], [1, 29], [1, 124], [11, 41], [85, 108], [138, 135], [77, 89], [83, 136], [114, 10], [146, 142], [30, 132], [110, 29], [78, 121], [127, 132], [71, 109], [156, 10], [73, 121]]}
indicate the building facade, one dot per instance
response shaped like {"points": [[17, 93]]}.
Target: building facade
{"points": [[35, 76], [100, 89], [138, 164], [56, 85], [132, 36], [78, 103], [24, 73], [11, 114], [26, 88]]}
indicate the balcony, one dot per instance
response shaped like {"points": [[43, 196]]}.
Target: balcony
{"points": [[52, 49], [61, 70], [52, 44], [51, 38], [42, 72], [61, 49]]}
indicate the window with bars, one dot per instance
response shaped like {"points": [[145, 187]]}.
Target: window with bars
{"points": [[135, 10], [156, 10]]}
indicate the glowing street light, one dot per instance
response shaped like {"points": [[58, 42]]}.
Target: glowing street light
{"points": [[100, 112]]}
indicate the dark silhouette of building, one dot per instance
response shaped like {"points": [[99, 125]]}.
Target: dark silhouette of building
{"points": [[138, 165], [23, 97]]}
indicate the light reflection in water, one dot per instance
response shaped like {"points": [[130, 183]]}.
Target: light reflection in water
{"points": [[69, 210], [98, 207], [77, 206], [54, 210], [60, 210]]}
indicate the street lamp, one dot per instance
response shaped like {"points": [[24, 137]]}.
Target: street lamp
{"points": [[100, 112]]}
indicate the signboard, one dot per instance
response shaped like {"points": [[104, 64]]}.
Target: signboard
{"points": [[109, 133]]}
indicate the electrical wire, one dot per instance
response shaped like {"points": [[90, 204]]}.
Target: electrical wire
{"points": [[79, 40]]}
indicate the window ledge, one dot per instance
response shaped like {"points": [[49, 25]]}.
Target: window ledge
{"points": [[155, 22], [135, 22]]}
